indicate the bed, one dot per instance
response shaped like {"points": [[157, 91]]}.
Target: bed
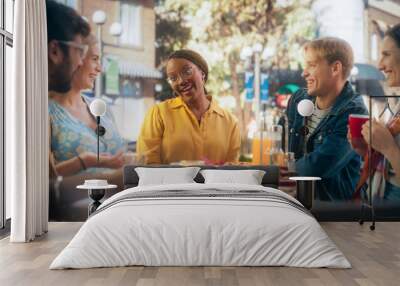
{"points": [[201, 224]]}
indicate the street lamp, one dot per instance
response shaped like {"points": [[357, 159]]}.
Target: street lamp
{"points": [[268, 52], [260, 53], [100, 18], [257, 49], [246, 54], [158, 87], [354, 72], [353, 76], [116, 29]]}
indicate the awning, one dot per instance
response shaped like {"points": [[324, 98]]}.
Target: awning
{"points": [[366, 72], [138, 70], [370, 87], [289, 88]]}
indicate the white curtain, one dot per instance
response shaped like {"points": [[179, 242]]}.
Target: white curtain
{"points": [[27, 124]]}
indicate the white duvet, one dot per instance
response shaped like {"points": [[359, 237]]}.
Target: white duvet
{"points": [[188, 231]]}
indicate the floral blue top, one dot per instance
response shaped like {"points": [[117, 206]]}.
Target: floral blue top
{"points": [[70, 136]]}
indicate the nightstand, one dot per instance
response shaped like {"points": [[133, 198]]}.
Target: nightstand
{"points": [[96, 193], [305, 188]]}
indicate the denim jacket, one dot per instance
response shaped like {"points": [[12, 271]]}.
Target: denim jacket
{"points": [[329, 155]]}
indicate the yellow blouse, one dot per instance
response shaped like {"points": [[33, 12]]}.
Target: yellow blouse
{"points": [[171, 133]]}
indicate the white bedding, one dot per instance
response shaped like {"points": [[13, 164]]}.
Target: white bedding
{"points": [[183, 231]]}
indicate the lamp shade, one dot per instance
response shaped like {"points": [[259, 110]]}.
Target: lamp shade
{"points": [[246, 53], [158, 87], [99, 17], [116, 29], [98, 107], [367, 72], [305, 107], [257, 47]]}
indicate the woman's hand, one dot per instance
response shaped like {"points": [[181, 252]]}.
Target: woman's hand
{"points": [[105, 160], [381, 138], [358, 144]]}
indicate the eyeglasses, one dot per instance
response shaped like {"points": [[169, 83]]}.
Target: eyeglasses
{"points": [[184, 74], [81, 47]]}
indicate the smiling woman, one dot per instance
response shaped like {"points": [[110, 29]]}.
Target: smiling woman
{"points": [[390, 57], [385, 137], [191, 126]]}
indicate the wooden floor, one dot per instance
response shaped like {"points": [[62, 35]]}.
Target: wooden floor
{"points": [[375, 257]]}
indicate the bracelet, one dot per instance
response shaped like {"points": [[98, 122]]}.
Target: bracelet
{"points": [[82, 163]]}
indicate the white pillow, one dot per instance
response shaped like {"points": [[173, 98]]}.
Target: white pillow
{"points": [[164, 176], [248, 177]]}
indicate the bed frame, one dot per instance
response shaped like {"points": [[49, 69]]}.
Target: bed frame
{"points": [[270, 179]]}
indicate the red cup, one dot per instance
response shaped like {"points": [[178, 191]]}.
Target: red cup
{"points": [[356, 122]]}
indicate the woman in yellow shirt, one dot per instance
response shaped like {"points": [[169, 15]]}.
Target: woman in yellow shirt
{"points": [[190, 126]]}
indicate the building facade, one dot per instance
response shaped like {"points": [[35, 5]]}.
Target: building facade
{"points": [[379, 15], [129, 74]]}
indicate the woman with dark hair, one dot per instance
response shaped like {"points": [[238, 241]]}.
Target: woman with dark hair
{"points": [[190, 126], [385, 138]]}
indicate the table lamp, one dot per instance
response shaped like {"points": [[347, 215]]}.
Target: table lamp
{"points": [[305, 108], [98, 108]]}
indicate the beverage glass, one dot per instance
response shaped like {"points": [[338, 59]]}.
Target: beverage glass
{"points": [[291, 162], [129, 158], [356, 121]]}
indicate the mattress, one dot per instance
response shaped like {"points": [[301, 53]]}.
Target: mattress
{"points": [[201, 225]]}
